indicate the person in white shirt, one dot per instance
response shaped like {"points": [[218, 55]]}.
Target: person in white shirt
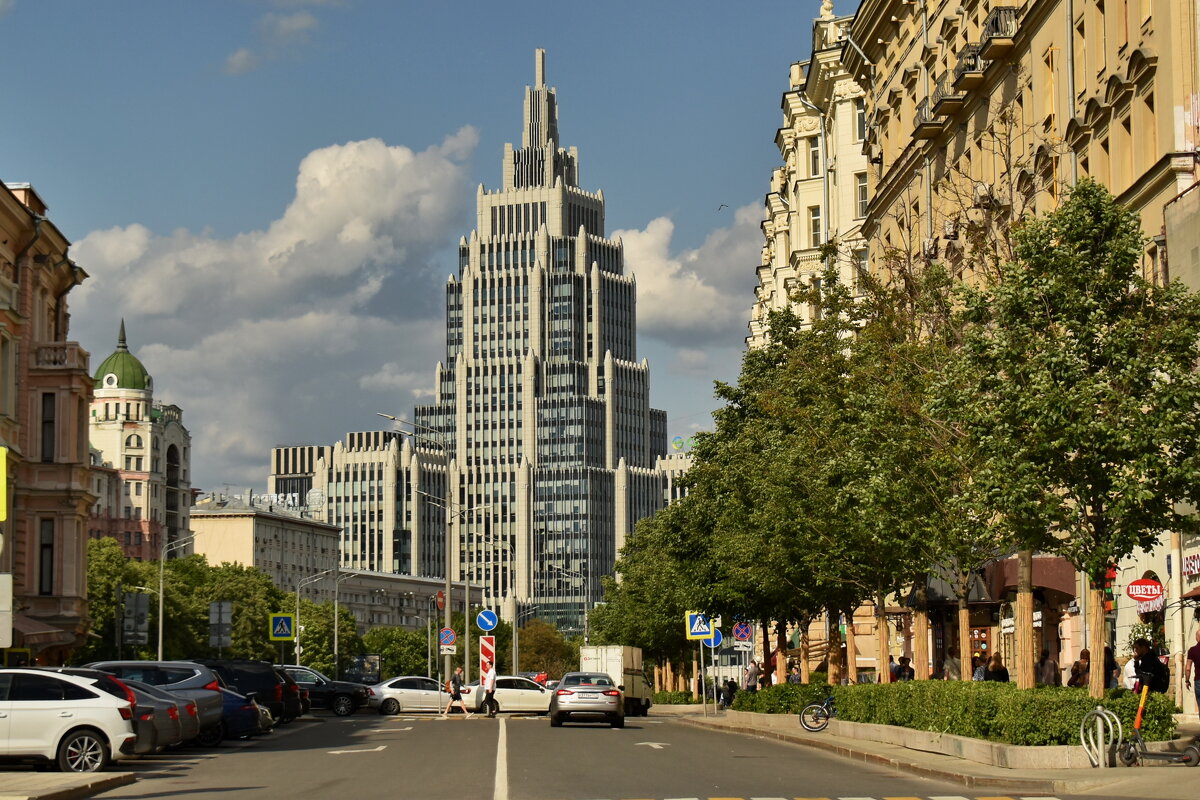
{"points": [[489, 689], [1129, 674]]}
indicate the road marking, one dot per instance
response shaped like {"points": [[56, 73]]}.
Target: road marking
{"points": [[389, 730], [500, 790], [658, 746], [371, 750]]}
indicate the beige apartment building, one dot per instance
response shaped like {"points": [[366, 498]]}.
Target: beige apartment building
{"points": [[819, 193]]}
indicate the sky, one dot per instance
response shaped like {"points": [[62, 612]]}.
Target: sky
{"points": [[270, 193]]}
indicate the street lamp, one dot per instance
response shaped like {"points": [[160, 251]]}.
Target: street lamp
{"points": [[337, 580], [587, 598], [300, 584], [167, 547], [516, 627]]}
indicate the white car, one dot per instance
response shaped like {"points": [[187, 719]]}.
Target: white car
{"points": [[407, 693], [67, 719], [513, 693]]}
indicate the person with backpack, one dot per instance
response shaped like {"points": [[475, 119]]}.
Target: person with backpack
{"points": [[454, 687], [1149, 669]]}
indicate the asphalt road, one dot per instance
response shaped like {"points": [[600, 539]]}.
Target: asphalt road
{"points": [[423, 757]]}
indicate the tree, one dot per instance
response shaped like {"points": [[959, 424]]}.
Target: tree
{"points": [[402, 652], [1082, 394], [544, 649]]}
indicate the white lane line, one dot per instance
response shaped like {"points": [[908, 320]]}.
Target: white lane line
{"points": [[500, 792], [388, 730], [370, 750]]}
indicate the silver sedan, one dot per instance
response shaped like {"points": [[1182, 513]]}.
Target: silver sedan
{"points": [[406, 693], [586, 696]]}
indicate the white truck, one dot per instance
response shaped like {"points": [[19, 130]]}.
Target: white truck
{"points": [[624, 665]]}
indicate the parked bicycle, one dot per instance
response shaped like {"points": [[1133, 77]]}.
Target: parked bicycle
{"points": [[815, 716]]}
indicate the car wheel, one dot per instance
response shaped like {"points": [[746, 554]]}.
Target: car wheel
{"points": [[342, 705], [211, 736], [83, 751], [619, 722], [556, 720], [389, 706]]}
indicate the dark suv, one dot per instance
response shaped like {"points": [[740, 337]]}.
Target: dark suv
{"points": [[340, 697], [246, 676]]}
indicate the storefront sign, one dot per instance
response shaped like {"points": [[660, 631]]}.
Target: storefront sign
{"points": [[1144, 590], [1191, 564]]}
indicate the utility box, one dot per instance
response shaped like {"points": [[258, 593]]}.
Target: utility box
{"points": [[624, 665]]}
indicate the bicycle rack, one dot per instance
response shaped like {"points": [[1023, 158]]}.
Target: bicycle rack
{"points": [[1096, 734]]}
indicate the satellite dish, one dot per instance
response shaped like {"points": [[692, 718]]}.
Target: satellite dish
{"points": [[315, 498]]}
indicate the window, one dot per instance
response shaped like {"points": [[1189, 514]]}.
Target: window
{"points": [[814, 225], [133, 440], [814, 157], [860, 195], [48, 411], [46, 557], [860, 120]]}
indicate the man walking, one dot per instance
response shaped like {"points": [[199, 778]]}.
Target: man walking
{"points": [[1191, 669], [489, 688], [456, 684]]}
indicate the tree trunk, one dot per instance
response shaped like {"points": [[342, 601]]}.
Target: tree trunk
{"points": [[965, 650], [881, 638], [805, 668], [833, 654], [766, 646], [1024, 622], [780, 652], [921, 631], [851, 649], [696, 676], [1097, 636]]}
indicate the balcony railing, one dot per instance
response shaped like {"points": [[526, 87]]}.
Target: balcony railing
{"points": [[947, 100], [968, 73], [998, 31], [925, 126], [60, 355]]}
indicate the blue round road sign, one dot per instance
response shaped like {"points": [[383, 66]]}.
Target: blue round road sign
{"points": [[447, 636], [715, 640], [487, 619]]}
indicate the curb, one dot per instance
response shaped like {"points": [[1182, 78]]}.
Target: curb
{"points": [[1035, 785], [83, 787]]}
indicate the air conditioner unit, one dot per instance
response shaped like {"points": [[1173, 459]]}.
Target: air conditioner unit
{"points": [[950, 229], [929, 248], [983, 195]]}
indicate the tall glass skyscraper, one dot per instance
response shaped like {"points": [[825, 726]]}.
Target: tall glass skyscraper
{"points": [[542, 408]]}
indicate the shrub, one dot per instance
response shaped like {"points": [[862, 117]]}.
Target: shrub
{"points": [[673, 699], [999, 712]]}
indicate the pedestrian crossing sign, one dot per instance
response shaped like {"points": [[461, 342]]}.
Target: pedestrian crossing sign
{"points": [[283, 627], [698, 625]]}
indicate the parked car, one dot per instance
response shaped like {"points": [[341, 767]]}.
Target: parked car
{"points": [[156, 723], [255, 679], [513, 693], [407, 693], [66, 719], [189, 719], [341, 697], [188, 679], [243, 716], [587, 695], [293, 700]]}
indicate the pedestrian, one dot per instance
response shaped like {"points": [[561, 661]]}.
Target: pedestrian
{"points": [[750, 679], [1129, 674], [1081, 669], [891, 669], [1111, 671], [1150, 670], [1048, 673], [978, 667], [456, 684], [765, 673], [1191, 669], [794, 676], [996, 671], [952, 667], [903, 671], [488, 684], [731, 688]]}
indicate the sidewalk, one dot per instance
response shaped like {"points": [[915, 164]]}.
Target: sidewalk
{"points": [[26, 785], [1161, 781]]}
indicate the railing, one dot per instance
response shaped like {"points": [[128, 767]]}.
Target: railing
{"points": [[969, 60], [60, 355], [945, 89], [1001, 23]]}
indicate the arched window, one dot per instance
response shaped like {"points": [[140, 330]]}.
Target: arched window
{"points": [[133, 440]]}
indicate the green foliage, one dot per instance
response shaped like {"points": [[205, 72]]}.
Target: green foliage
{"points": [[783, 698], [673, 699], [545, 649], [402, 652]]}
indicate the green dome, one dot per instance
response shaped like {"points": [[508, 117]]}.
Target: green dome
{"points": [[127, 371]]}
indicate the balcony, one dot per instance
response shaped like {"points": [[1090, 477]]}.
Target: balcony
{"points": [[999, 30], [926, 127], [968, 74], [60, 355], [947, 100]]}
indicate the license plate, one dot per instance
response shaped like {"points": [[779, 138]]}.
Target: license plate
{"points": [[589, 695]]}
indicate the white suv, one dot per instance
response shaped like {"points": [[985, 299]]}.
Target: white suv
{"points": [[68, 719]]}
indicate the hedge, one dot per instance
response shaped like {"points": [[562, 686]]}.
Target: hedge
{"points": [[673, 699], [981, 710]]}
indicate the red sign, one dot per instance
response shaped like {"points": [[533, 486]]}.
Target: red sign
{"points": [[441, 600], [487, 652], [1144, 590]]}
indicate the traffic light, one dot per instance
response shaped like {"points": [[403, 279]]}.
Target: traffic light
{"points": [[1110, 597]]}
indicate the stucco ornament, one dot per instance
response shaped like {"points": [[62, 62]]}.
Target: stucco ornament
{"points": [[827, 9]]}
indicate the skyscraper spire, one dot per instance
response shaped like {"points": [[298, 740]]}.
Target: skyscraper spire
{"points": [[539, 79]]}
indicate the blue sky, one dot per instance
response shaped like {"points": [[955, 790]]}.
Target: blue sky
{"points": [[269, 191]]}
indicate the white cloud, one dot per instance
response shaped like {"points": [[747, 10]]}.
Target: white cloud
{"points": [[700, 296], [240, 61], [6, 6], [300, 331], [279, 34]]}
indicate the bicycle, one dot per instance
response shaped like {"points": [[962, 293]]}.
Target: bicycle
{"points": [[815, 716]]}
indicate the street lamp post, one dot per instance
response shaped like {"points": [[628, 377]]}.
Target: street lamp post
{"points": [[337, 580], [167, 547], [516, 627], [297, 650]]}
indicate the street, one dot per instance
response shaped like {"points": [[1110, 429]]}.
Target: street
{"points": [[516, 758]]}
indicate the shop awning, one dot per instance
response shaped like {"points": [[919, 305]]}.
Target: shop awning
{"points": [[940, 590], [35, 633]]}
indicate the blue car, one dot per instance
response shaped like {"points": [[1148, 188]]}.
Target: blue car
{"points": [[241, 717]]}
